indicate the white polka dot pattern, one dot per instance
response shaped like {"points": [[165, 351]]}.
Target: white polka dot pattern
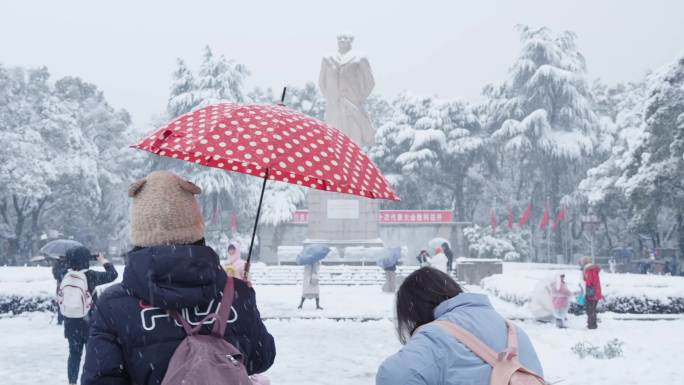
{"points": [[253, 139]]}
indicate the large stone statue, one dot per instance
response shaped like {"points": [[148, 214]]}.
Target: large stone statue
{"points": [[346, 81], [341, 220]]}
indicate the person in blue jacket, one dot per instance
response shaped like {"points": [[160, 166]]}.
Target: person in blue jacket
{"points": [[431, 356], [132, 337]]}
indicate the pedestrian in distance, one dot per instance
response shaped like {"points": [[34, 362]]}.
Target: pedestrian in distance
{"points": [[452, 337], [560, 299], [171, 296], [236, 265], [592, 289], [423, 258], [76, 297], [310, 285], [390, 285], [440, 260], [450, 256]]}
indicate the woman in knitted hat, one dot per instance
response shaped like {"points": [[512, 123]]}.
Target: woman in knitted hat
{"points": [[170, 268]]}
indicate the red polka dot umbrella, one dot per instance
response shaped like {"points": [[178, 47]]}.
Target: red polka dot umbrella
{"points": [[271, 142]]}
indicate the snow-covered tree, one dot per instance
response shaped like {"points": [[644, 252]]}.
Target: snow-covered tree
{"points": [[445, 144], [543, 119], [307, 100], [183, 96], [220, 79], [654, 178], [392, 139], [623, 106], [59, 161], [506, 245]]}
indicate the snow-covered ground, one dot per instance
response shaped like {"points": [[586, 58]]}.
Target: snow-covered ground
{"points": [[345, 343]]}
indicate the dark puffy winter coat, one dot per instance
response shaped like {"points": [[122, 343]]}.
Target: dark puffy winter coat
{"points": [[132, 337]]}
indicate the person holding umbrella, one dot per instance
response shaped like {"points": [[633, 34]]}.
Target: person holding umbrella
{"points": [[271, 142], [311, 258], [172, 278], [389, 264]]}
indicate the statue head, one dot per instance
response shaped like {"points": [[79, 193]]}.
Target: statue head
{"points": [[344, 42]]}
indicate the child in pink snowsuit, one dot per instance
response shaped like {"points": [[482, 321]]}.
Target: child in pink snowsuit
{"points": [[236, 265], [560, 297]]}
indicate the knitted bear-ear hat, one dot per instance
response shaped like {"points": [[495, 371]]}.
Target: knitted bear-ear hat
{"points": [[164, 211]]}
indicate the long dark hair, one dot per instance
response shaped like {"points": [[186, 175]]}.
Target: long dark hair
{"points": [[418, 297]]}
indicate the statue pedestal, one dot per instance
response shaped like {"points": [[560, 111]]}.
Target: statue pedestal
{"points": [[341, 220]]}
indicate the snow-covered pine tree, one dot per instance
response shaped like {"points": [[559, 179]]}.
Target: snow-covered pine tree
{"points": [[621, 108], [220, 80], [543, 118], [182, 98], [445, 145], [392, 139], [654, 179]]}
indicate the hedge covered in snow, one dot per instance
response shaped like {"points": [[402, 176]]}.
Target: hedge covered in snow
{"points": [[505, 245], [15, 304], [623, 293]]}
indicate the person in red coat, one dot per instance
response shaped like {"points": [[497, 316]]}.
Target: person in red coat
{"points": [[592, 283]]}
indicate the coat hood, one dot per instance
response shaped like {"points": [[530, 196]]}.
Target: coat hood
{"points": [[460, 301], [174, 277], [591, 266]]}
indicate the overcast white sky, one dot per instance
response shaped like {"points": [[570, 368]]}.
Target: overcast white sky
{"points": [[449, 48]]}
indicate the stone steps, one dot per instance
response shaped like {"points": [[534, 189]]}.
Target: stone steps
{"points": [[328, 275]]}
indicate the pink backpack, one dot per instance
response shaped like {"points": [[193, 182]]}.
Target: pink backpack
{"points": [[207, 359], [506, 368]]}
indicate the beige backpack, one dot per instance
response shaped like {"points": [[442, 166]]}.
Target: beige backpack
{"points": [[506, 368]]}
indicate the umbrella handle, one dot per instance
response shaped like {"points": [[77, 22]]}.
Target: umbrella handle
{"points": [[256, 223], [282, 97]]}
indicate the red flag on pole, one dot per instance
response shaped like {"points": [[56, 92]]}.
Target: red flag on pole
{"points": [[492, 221], [233, 222], [216, 215], [510, 217], [545, 219], [559, 218], [526, 215]]}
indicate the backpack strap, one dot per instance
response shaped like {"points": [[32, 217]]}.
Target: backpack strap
{"points": [[179, 318], [511, 344], [223, 311], [470, 341]]}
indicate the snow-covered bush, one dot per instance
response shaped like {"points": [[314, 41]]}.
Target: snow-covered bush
{"points": [[15, 304], [507, 245], [612, 349]]}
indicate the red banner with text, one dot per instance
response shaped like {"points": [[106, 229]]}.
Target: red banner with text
{"points": [[394, 216]]}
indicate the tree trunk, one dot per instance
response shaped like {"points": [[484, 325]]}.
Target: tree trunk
{"points": [[604, 219], [680, 241], [554, 205], [16, 244], [459, 206]]}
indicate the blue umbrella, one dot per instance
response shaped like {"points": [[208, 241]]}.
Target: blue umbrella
{"points": [[312, 254], [389, 260], [59, 247]]}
